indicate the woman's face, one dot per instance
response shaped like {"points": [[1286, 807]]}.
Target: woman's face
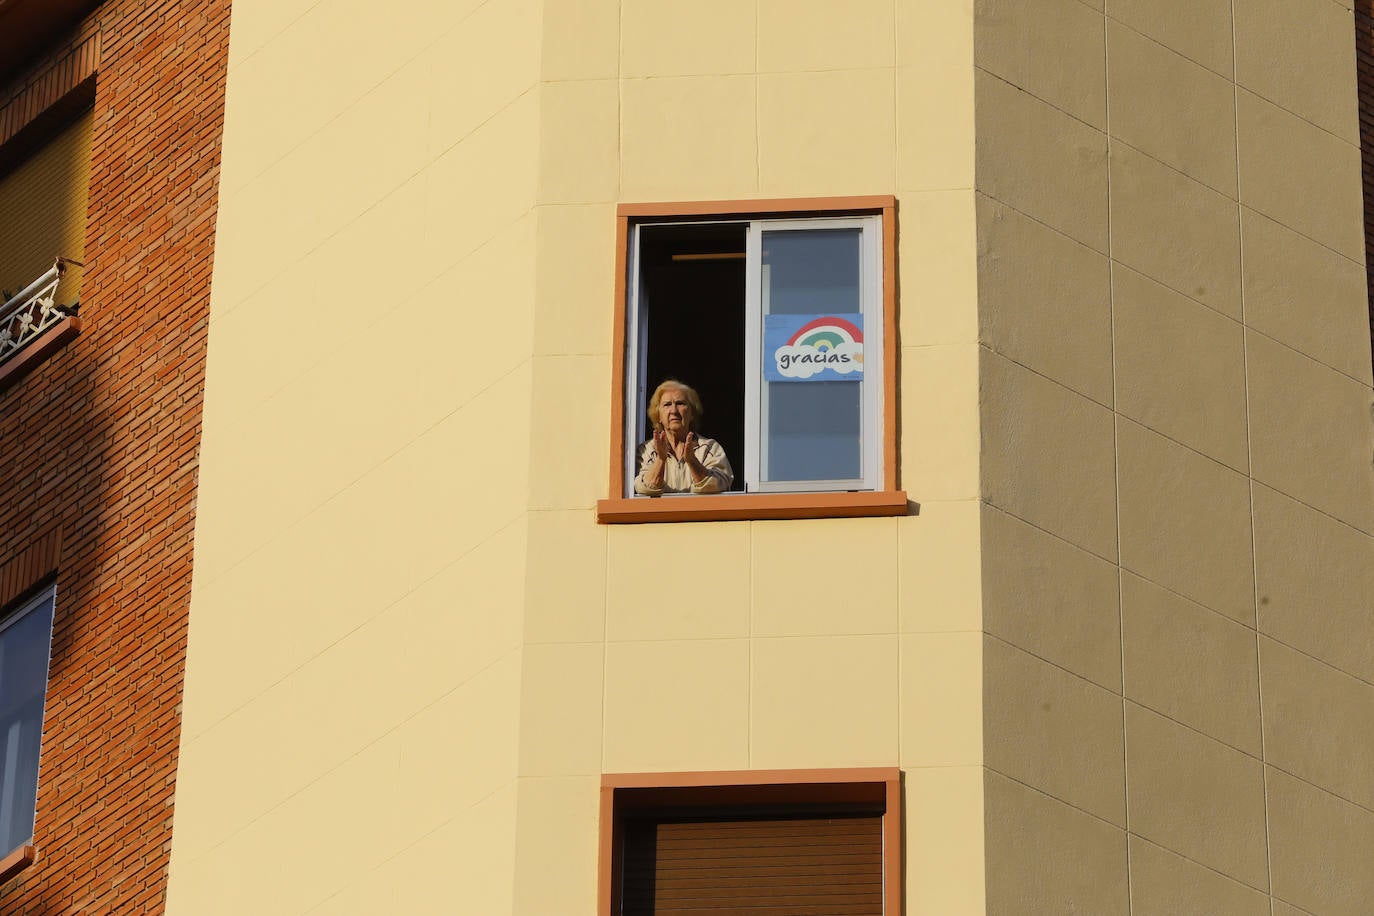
{"points": [[674, 413]]}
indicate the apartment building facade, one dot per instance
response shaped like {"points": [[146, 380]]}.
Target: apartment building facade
{"points": [[110, 118], [1062, 603]]}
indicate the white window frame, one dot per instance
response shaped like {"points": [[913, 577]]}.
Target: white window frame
{"points": [[756, 391]]}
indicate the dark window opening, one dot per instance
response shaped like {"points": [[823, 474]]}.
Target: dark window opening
{"points": [[693, 278]]}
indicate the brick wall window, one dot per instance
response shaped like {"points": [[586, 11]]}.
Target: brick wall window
{"points": [[25, 649]]}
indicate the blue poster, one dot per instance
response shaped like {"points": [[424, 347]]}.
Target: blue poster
{"points": [[813, 348]]}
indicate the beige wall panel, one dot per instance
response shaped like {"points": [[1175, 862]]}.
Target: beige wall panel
{"points": [[1295, 404], [272, 223], [1053, 731], [1172, 108], [1305, 295], [1315, 579], [556, 849], [1313, 836], [574, 280], [581, 40], [1317, 722], [305, 588], [1190, 664], [490, 178], [1185, 522], [944, 841], [345, 804], [259, 755], [1048, 455], [257, 23], [466, 863], [941, 700], [1054, 50], [1295, 172], [790, 599], [1041, 161], [333, 811], [935, 111], [1175, 230], [673, 39], [311, 319], [313, 421], [690, 137], [1165, 884], [939, 446], [827, 133], [922, 27], [677, 705], [938, 569], [560, 709], [1200, 30], [480, 68], [1195, 796], [678, 581], [1044, 300], [43, 212], [275, 106], [572, 476], [821, 35], [937, 268], [457, 751], [1180, 368], [578, 141], [1052, 599], [565, 577], [1299, 54], [1044, 856], [800, 717], [310, 183]]}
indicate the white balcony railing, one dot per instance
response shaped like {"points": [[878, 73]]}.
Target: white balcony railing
{"points": [[25, 316]]}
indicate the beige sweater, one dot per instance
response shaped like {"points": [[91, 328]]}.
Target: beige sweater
{"points": [[677, 477]]}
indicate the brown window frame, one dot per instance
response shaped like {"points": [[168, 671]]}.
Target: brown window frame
{"points": [[621, 792], [890, 500]]}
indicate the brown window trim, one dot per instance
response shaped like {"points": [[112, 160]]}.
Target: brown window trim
{"points": [[16, 862], [37, 350], [622, 791], [619, 509]]}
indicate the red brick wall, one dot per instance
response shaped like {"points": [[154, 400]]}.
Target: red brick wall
{"points": [[98, 451]]}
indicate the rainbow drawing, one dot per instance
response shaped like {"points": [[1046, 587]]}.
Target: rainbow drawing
{"points": [[806, 348]]}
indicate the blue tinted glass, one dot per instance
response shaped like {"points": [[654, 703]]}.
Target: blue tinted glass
{"points": [[24, 649], [813, 426], [810, 271], [813, 431]]}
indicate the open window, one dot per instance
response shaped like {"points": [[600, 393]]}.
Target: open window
{"points": [[783, 318]]}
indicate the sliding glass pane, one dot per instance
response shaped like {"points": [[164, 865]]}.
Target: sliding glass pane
{"points": [[813, 357]]}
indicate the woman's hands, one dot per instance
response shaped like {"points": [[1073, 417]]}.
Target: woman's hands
{"points": [[661, 445], [684, 450]]}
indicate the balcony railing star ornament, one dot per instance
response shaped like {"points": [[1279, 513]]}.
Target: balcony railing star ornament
{"points": [[27, 314]]}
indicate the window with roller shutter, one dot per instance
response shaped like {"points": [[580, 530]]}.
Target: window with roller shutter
{"points": [[801, 843]]}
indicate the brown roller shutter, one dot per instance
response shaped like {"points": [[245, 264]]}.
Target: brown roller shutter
{"points": [[771, 865]]}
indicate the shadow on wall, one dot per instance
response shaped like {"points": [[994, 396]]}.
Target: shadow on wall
{"points": [[1364, 71]]}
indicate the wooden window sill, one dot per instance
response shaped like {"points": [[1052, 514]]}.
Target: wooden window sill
{"points": [[16, 862], [37, 350], [755, 506]]}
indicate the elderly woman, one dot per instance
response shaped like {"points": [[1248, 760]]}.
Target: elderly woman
{"points": [[676, 459]]}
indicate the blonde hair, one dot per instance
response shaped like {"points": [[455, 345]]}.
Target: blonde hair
{"points": [[693, 401]]}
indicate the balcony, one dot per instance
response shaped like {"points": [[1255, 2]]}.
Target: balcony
{"points": [[32, 324]]}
